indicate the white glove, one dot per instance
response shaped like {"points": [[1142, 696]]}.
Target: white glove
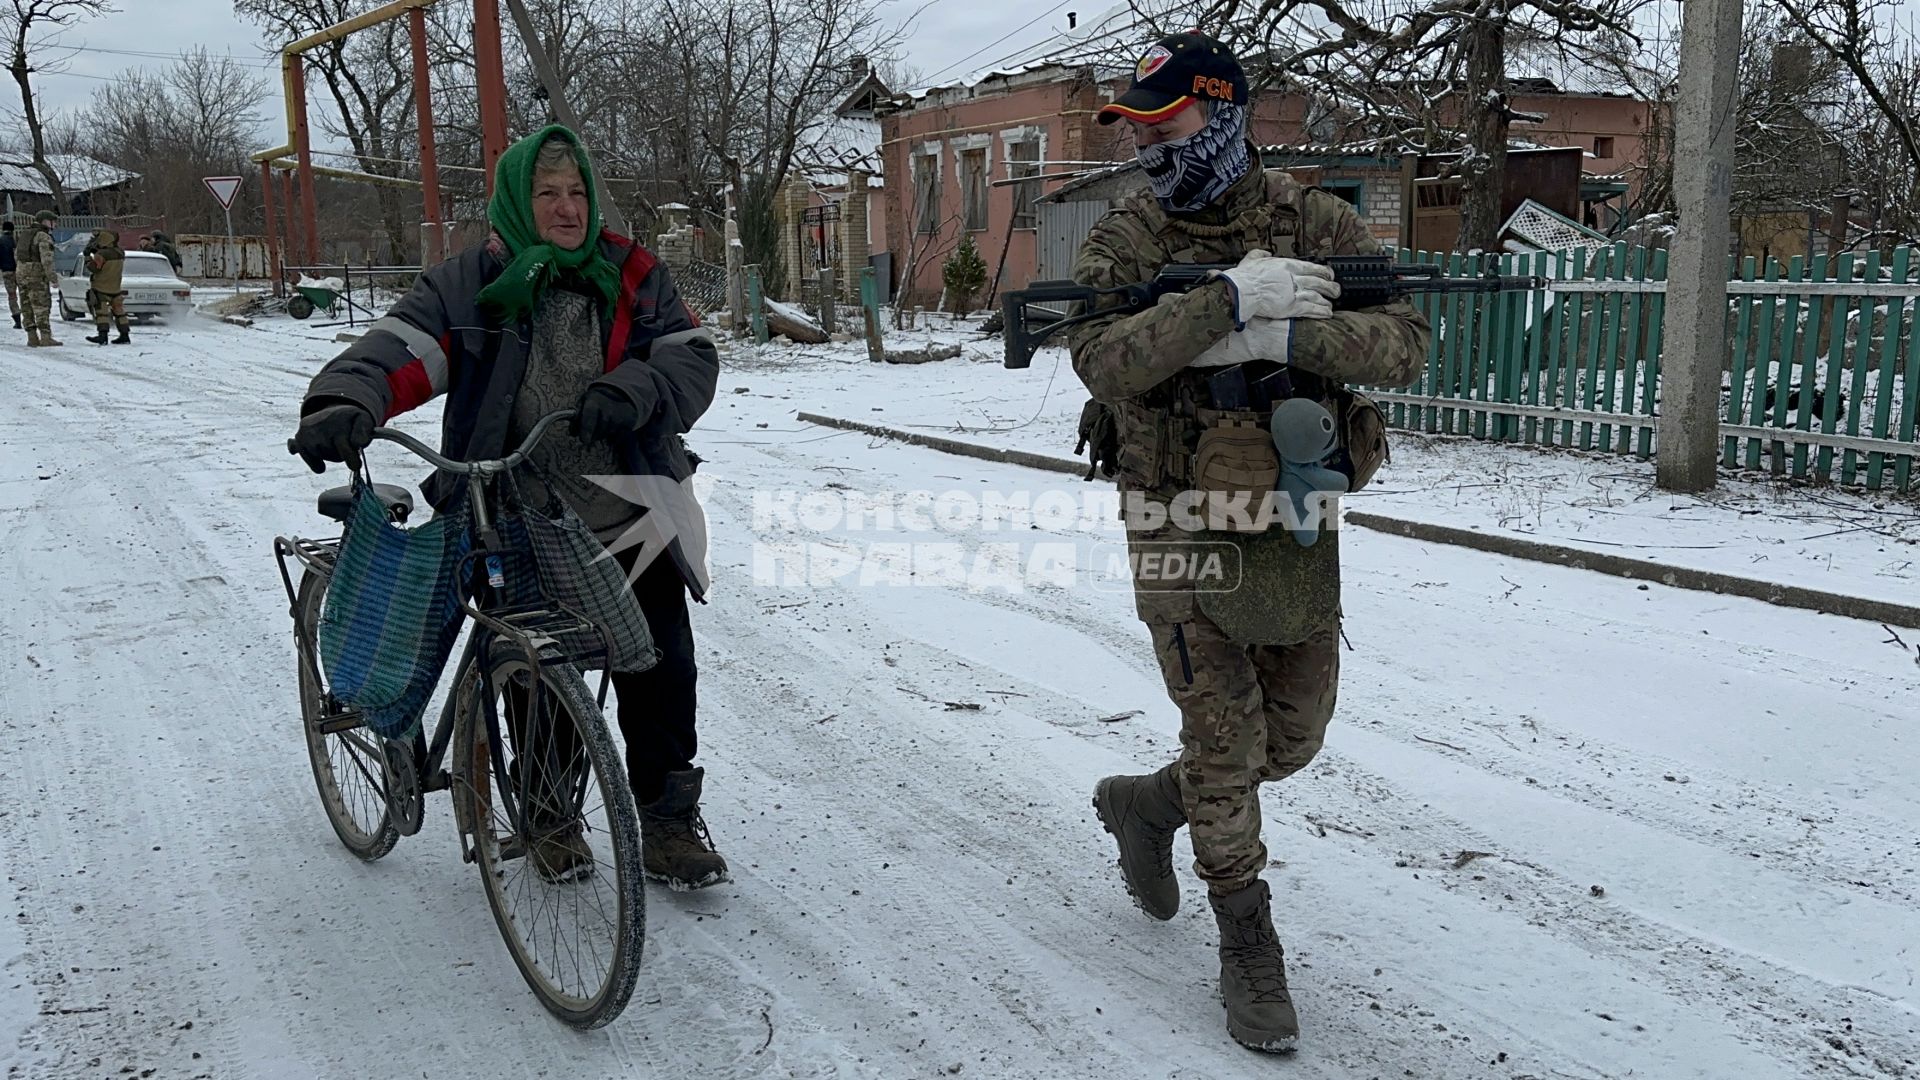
{"points": [[1273, 288], [1263, 339]]}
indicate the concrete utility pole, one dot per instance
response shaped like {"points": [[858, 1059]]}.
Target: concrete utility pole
{"points": [[1695, 324], [562, 108]]}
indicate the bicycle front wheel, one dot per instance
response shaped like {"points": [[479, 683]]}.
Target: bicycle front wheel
{"points": [[349, 765], [555, 835]]}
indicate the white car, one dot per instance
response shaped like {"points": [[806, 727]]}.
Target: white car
{"points": [[153, 289]]}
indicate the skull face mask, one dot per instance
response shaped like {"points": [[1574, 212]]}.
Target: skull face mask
{"points": [[1188, 174]]}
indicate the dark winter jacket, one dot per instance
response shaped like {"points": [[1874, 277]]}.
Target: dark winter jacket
{"points": [[7, 263], [436, 340]]}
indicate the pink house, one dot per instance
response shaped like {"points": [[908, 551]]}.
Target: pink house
{"points": [[971, 158]]}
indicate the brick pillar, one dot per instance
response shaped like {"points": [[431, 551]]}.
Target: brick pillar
{"points": [[854, 248], [675, 247], [793, 203]]}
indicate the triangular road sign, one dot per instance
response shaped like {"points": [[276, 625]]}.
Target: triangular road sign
{"points": [[224, 188]]}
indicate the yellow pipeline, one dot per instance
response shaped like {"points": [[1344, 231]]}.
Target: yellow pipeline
{"points": [[289, 56]]}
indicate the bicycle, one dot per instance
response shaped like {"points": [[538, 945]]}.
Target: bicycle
{"points": [[529, 747]]}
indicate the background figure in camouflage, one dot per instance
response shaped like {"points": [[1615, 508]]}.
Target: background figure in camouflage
{"points": [[9, 268], [105, 262], [36, 280], [1255, 706]]}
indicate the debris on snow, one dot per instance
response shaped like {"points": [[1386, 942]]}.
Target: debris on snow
{"points": [[923, 356]]}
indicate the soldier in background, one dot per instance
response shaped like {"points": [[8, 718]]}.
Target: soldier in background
{"points": [[35, 276], [106, 294], [8, 270], [1253, 670]]}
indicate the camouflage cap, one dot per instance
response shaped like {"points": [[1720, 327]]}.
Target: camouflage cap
{"points": [[46, 215]]}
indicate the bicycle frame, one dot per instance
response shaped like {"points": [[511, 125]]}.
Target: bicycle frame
{"points": [[531, 630]]}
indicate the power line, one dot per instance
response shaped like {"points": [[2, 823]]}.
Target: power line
{"points": [[930, 78]]}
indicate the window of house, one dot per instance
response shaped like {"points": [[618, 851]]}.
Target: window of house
{"points": [[973, 186], [1023, 158], [1603, 146], [926, 192], [1350, 190]]}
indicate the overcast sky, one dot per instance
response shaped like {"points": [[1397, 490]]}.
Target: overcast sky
{"points": [[942, 36]]}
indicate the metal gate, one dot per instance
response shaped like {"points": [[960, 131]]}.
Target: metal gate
{"points": [[1063, 228]]}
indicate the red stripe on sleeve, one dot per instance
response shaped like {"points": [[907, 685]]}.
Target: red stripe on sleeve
{"points": [[408, 389]]}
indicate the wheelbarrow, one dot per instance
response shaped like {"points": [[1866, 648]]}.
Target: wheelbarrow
{"points": [[308, 298]]}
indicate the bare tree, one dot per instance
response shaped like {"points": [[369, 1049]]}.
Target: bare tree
{"points": [[173, 126], [1429, 73], [25, 24], [1858, 36]]}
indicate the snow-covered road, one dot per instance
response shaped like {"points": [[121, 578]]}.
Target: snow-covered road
{"points": [[1565, 825]]}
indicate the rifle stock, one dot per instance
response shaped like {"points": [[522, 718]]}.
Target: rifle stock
{"points": [[1365, 281]]}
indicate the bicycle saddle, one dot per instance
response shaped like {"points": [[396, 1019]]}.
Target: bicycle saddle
{"points": [[337, 503]]}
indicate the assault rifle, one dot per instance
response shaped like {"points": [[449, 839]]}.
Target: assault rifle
{"points": [[1365, 281]]}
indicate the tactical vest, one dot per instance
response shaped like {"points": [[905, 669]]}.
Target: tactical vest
{"points": [[1174, 414], [1285, 592]]}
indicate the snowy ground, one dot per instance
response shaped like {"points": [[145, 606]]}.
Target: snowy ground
{"points": [[1565, 825], [1819, 538]]}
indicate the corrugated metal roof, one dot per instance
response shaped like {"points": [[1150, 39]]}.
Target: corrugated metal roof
{"points": [[77, 173]]}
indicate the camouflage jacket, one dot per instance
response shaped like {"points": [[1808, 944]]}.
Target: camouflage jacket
{"points": [[105, 263], [1135, 363]]}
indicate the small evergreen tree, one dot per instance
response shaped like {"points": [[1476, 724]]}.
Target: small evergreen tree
{"points": [[964, 274]]}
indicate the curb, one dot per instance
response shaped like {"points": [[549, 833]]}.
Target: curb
{"points": [[1792, 596], [955, 446]]}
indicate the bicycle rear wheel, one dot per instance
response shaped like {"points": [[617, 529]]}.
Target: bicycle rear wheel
{"points": [[556, 836], [349, 765]]}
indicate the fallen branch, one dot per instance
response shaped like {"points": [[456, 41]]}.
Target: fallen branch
{"points": [[1448, 745], [766, 1014]]}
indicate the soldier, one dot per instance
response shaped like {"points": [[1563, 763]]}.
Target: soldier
{"points": [[1253, 668], [8, 270], [36, 275], [106, 296], [163, 244]]}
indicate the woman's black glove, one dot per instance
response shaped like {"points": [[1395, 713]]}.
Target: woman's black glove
{"points": [[604, 412], [333, 433]]}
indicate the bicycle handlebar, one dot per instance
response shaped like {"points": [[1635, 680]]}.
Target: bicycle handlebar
{"points": [[469, 468]]}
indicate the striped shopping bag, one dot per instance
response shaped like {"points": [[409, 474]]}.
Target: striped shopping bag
{"points": [[392, 612], [575, 571]]}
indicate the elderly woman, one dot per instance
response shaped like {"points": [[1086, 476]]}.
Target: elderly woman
{"points": [[554, 312]]}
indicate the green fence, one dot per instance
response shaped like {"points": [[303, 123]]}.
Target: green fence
{"points": [[1821, 380]]}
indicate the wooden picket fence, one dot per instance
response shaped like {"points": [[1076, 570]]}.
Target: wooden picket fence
{"points": [[1822, 374]]}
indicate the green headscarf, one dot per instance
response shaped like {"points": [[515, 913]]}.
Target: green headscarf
{"points": [[533, 263]]}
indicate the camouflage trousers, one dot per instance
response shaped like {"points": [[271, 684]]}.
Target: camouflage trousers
{"points": [[107, 305], [1248, 715], [36, 305]]}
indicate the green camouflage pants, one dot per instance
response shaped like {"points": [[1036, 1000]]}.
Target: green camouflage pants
{"points": [[1248, 715], [36, 304]]}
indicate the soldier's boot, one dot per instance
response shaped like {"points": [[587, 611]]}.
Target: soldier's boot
{"points": [[101, 337], [677, 850], [123, 339], [46, 337], [33, 338], [1253, 971], [1143, 813]]}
